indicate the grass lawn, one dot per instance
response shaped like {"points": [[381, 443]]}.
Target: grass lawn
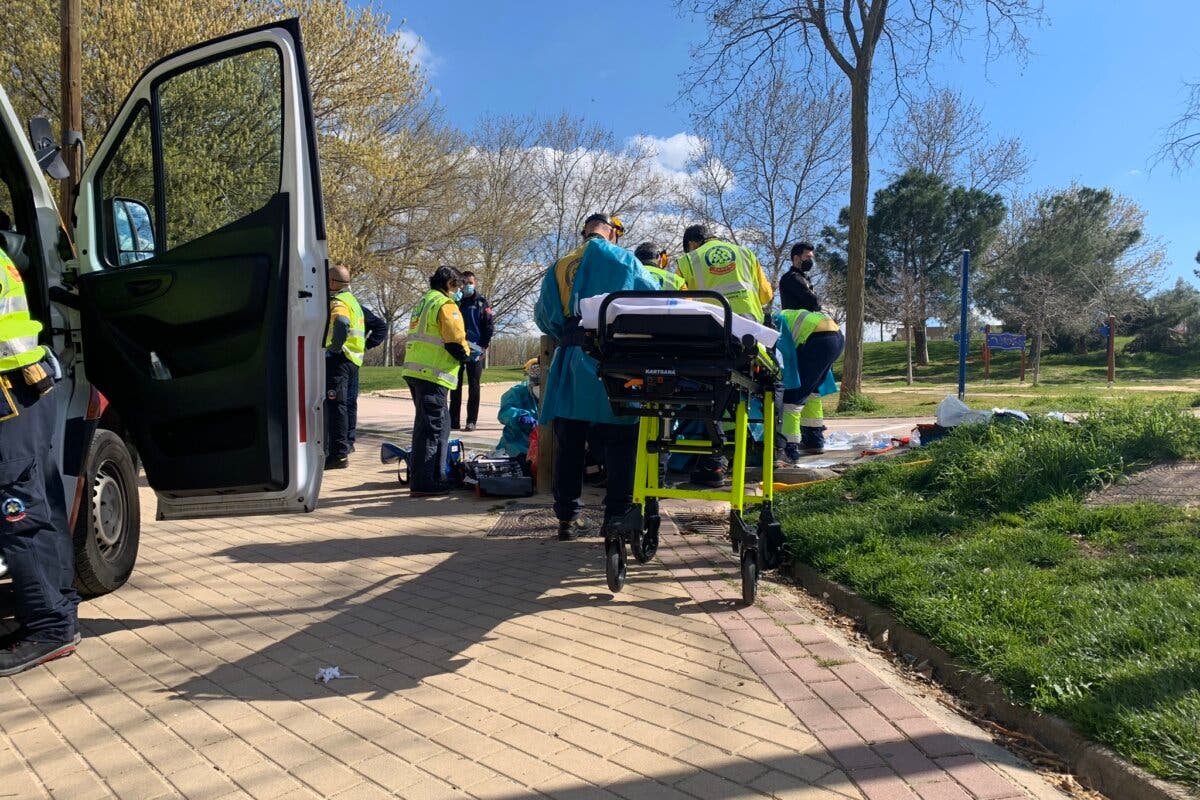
{"points": [[374, 379], [1092, 614], [1069, 382]]}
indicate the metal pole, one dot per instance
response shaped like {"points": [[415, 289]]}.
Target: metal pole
{"points": [[964, 335], [71, 121], [1112, 349]]}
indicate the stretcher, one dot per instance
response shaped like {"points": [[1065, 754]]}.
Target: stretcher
{"points": [[670, 356]]}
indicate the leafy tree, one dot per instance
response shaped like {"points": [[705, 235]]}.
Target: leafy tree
{"points": [[919, 226], [1068, 259], [843, 36], [1170, 323]]}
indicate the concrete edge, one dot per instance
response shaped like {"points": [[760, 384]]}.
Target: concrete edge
{"points": [[1097, 766]]}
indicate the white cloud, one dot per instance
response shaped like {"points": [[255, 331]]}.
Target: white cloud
{"points": [[1134, 172], [414, 46], [673, 152]]}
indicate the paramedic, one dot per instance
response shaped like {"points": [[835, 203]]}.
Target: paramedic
{"points": [[436, 347], [35, 541], [518, 413], [648, 253], [709, 264], [345, 343], [816, 343], [574, 396]]}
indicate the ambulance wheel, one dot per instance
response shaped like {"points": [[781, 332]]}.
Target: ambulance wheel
{"points": [[109, 522], [749, 577], [645, 545], [614, 564]]}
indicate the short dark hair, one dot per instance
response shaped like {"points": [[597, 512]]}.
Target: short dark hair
{"points": [[466, 274], [696, 233], [647, 253], [800, 248], [442, 276]]}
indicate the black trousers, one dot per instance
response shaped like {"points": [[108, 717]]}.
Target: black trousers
{"points": [[352, 407], [470, 373], [35, 539], [431, 437], [619, 445], [339, 371]]}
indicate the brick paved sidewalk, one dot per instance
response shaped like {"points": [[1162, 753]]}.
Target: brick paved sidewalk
{"points": [[489, 668]]}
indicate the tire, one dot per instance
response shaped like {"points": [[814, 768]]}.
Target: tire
{"points": [[749, 577], [109, 522], [645, 544], [614, 564]]}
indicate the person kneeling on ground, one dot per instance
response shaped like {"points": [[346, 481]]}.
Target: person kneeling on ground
{"points": [[435, 349], [518, 414]]}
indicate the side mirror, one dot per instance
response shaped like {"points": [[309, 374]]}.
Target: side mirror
{"points": [[46, 149], [133, 230]]}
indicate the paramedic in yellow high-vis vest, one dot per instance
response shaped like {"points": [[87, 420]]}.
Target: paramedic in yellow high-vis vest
{"points": [[435, 350], [345, 343], [710, 264]]}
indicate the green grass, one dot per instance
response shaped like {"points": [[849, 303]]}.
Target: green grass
{"points": [[1092, 614], [374, 379]]}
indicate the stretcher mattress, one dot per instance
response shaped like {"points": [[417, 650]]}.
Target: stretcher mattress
{"points": [[589, 308]]}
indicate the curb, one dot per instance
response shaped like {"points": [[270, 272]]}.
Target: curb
{"points": [[1097, 766]]}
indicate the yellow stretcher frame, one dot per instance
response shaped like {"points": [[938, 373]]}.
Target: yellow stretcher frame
{"points": [[645, 478]]}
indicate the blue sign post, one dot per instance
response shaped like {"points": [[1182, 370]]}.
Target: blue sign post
{"points": [[964, 341]]}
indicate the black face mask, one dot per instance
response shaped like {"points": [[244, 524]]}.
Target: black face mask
{"points": [[806, 265]]}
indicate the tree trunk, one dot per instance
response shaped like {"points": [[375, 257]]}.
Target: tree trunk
{"points": [[922, 335], [1036, 354], [908, 347], [860, 174]]}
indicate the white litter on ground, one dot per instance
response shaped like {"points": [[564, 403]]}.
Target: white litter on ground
{"points": [[327, 674]]}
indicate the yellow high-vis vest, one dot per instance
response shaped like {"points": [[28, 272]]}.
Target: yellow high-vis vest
{"points": [[726, 268], [425, 355], [356, 339], [18, 331]]}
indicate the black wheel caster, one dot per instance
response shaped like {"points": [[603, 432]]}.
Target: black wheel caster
{"points": [[749, 577], [614, 564], [645, 545]]}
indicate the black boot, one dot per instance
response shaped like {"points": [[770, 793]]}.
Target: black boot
{"points": [[570, 529], [812, 440]]}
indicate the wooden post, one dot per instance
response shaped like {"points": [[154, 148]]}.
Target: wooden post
{"points": [[987, 353], [72, 104], [1022, 365], [1112, 349], [547, 446]]}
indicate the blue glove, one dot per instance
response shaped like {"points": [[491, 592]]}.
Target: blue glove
{"points": [[476, 352], [528, 420]]}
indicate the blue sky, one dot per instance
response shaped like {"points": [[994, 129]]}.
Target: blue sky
{"points": [[1105, 78]]}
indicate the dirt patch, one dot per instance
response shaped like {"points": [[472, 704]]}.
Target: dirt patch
{"points": [[1176, 484]]}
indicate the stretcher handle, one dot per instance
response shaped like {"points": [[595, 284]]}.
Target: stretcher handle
{"points": [[708, 294]]}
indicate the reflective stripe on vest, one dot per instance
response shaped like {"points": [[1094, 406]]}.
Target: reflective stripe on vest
{"points": [[666, 280], [802, 323], [18, 332], [726, 268], [356, 338], [425, 355]]}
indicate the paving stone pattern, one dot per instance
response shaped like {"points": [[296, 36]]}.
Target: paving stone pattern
{"points": [[487, 668]]}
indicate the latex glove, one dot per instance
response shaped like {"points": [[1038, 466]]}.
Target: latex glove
{"points": [[528, 420], [476, 352]]}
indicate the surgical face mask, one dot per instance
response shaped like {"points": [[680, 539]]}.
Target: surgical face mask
{"points": [[806, 265], [468, 290], [536, 391], [457, 295]]}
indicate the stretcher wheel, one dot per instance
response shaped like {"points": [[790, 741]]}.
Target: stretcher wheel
{"points": [[646, 543], [614, 564], [402, 471], [749, 576]]}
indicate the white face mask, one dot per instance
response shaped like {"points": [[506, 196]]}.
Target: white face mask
{"points": [[536, 391]]}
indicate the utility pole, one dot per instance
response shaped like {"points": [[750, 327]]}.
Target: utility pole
{"points": [[71, 118]]}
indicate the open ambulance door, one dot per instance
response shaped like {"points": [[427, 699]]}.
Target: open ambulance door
{"points": [[202, 287]]}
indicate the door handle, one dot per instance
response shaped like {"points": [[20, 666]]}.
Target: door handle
{"points": [[143, 287]]}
